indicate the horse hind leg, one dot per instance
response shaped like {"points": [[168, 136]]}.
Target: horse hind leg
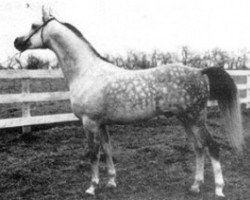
{"points": [[213, 152], [199, 169], [201, 139], [199, 149], [107, 149]]}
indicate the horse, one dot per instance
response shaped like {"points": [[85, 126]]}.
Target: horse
{"points": [[102, 94]]}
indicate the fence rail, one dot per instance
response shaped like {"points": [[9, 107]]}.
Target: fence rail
{"points": [[26, 97], [241, 77]]}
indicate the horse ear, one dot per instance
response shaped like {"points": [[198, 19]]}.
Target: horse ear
{"points": [[46, 13]]}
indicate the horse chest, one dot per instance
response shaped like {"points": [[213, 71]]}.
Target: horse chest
{"points": [[86, 100]]}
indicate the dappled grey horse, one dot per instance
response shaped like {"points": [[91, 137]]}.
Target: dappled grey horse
{"points": [[102, 94]]}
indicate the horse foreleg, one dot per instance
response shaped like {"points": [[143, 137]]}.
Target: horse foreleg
{"points": [[92, 131], [107, 149]]}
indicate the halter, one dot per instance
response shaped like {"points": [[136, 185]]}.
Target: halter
{"points": [[41, 27]]}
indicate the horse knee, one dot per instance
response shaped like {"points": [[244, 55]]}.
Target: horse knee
{"points": [[90, 124], [92, 131]]}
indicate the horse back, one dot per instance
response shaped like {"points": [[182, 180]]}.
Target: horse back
{"points": [[142, 94]]}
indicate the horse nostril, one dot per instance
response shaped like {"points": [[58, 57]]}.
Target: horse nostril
{"points": [[16, 42], [20, 43]]}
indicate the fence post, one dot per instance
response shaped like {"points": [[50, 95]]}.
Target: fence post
{"points": [[26, 106]]}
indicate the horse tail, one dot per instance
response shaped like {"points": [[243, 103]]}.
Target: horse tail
{"points": [[224, 90]]}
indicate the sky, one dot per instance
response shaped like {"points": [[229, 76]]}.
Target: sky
{"points": [[116, 26]]}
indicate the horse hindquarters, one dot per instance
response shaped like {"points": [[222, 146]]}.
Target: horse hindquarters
{"points": [[223, 89]]}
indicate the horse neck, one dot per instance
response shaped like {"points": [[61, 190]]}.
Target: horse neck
{"points": [[74, 54]]}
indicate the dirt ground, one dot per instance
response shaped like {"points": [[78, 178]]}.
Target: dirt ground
{"points": [[153, 161]]}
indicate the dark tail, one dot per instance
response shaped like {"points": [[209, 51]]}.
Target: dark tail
{"points": [[224, 90]]}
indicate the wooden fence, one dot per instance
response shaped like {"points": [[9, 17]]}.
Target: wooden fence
{"points": [[242, 78], [26, 98]]}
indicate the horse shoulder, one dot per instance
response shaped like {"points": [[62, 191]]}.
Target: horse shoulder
{"points": [[87, 96]]}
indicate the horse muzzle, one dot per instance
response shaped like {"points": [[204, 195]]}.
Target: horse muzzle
{"points": [[21, 44]]}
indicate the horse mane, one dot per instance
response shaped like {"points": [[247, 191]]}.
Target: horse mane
{"points": [[79, 34]]}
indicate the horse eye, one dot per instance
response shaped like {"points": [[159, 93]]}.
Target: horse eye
{"points": [[34, 26]]}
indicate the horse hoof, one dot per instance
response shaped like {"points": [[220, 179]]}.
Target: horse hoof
{"points": [[194, 190], [219, 194], [221, 198], [90, 191], [111, 185]]}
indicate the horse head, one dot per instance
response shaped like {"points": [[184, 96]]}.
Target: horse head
{"points": [[34, 39]]}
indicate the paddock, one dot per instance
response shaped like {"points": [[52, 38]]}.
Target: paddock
{"points": [[49, 163], [154, 161]]}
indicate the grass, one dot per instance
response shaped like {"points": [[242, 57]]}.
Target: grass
{"points": [[153, 161]]}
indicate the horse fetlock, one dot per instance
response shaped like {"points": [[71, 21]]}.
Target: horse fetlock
{"points": [[112, 172], [219, 190], [196, 186]]}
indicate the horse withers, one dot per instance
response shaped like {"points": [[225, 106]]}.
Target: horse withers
{"points": [[102, 94]]}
